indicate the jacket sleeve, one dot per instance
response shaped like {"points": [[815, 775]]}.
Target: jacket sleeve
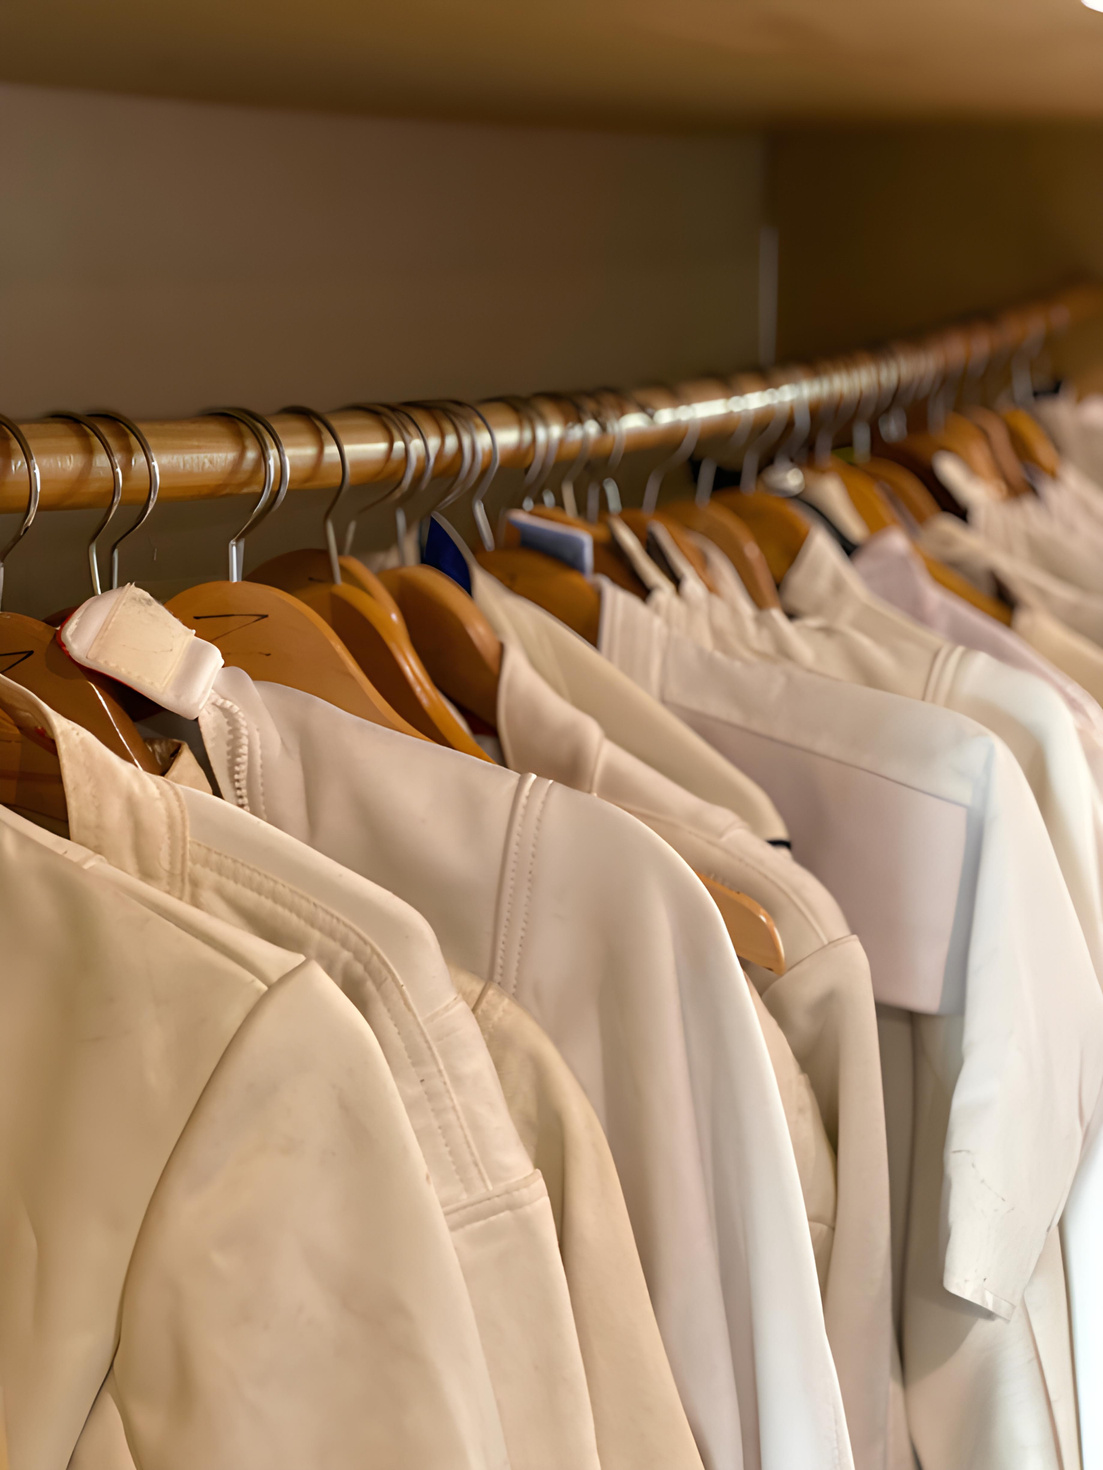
{"points": [[294, 1297]]}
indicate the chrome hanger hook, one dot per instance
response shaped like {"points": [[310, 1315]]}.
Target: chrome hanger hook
{"points": [[748, 473], [706, 471], [236, 546], [478, 509], [685, 448], [152, 470], [34, 493], [540, 433], [322, 422], [92, 428], [395, 417]]}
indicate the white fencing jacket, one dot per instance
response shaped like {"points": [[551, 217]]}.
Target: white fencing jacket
{"points": [[842, 629], [923, 826], [220, 1247], [823, 1006], [638, 1415], [890, 568], [385, 958], [599, 929]]}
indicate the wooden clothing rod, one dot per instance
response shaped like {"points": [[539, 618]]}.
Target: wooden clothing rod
{"points": [[201, 458]]}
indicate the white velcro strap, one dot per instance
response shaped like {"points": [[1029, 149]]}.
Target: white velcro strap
{"points": [[128, 635]]}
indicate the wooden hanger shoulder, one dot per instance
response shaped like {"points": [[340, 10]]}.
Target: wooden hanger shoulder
{"points": [[752, 931], [453, 638], [865, 495], [31, 655], [731, 536], [550, 584], [997, 433], [1032, 444], [372, 630], [277, 638], [779, 529], [907, 487]]}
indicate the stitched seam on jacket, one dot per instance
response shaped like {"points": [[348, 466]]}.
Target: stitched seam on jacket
{"points": [[239, 741], [507, 877], [369, 959], [529, 882], [519, 1195]]}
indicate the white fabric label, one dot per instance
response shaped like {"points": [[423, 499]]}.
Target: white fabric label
{"points": [[128, 635]]}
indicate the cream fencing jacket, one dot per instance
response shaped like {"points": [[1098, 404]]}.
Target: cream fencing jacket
{"points": [[220, 1247], [606, 936], [609, 940], [823, 1007], [983, 562], [890, 568], [639, 1418], [840, 628], [385, 958], [913, 815]]}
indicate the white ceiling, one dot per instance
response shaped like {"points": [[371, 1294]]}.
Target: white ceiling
{"points": [[682, 63]]}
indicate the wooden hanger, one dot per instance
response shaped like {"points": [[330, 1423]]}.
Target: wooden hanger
{"points": [[30, 775], [371, 627], [866, 496], [552, 585], [608, 561], [753, 933], [638, 521], [270, 634], [31, 656], [907, 487], [359, 609], [997, 433], [917, 500], [454, 640], [779, 529], [731, 536], [1031, 442]]}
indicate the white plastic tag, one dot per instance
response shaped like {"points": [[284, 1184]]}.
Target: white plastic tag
{"points": [[128, 635]]}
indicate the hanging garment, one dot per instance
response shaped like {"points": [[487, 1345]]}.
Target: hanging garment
{"points": [[823, 1005], [220, 1246], [989, 566], [638, 1417], [1076, 656], [875, 789], [616, 926], [1076, 427], [892, 571], [1029, 716], [384, 957], [622, 957], [842, 629]]}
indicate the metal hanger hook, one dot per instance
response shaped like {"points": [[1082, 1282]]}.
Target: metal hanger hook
{"points": [[322, 422], [34, 492], [92, 428], [748, 473], [236, 547], [152, 470], [685, 448], [397, 420]]}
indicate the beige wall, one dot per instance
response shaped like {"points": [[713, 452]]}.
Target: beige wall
{"points": [[169, 255], [891, 230], [160, 257]]}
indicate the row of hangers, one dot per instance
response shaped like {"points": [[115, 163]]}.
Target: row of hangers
{"points": [[405, 646]]}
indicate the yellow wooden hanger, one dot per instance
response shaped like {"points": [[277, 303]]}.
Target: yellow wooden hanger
{"points": [[270, 634], [361, 611], [31, 656], [1032, 444]]}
